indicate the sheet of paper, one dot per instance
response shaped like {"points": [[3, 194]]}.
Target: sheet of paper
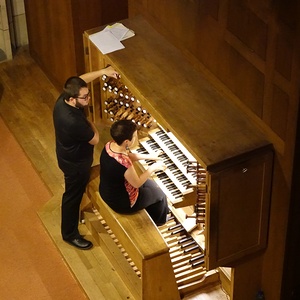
{"points": [[130, 33], [118, 30], [106, 42]]}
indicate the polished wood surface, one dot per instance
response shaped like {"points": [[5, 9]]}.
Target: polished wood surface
{"points": [[26, 107], [206, 118]]}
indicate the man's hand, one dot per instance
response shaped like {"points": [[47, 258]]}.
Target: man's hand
{"points": [[111, 72]]}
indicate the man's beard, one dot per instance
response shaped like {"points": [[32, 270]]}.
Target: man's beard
{"points": [[79, 105]]}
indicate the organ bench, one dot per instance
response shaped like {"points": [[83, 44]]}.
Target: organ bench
{"points": [[145, 267]]}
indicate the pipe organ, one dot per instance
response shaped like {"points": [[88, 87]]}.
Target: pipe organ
{"points": [[219, 165]]}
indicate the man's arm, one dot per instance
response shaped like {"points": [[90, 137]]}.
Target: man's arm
{"points": [[95, 139], [108, 71]]}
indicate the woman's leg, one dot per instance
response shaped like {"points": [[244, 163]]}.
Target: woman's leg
{"points": [[152, 198]]}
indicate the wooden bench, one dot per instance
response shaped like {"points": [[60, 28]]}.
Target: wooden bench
{"points": [[141, 240]]}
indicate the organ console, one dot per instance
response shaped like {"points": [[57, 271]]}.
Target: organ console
{"points": [[219, 165]]}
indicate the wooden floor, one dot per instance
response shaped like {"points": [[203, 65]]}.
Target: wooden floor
{"points": [[26, 107]]}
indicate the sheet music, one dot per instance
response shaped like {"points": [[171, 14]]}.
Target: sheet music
{"points": [[109, 39], [106, 42]]}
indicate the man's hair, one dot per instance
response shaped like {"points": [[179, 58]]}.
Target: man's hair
{"points": [[122, 130], [72, 87]]}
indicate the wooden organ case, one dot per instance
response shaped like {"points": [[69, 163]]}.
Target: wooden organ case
{"points": [[218, 179]]}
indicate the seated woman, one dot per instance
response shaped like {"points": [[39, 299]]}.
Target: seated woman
{"points": [[120, 186]]}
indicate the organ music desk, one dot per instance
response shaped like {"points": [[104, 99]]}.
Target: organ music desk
{"points": [[218, 179]]}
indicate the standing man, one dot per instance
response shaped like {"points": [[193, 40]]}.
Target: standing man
{"points": [[75, 140]]}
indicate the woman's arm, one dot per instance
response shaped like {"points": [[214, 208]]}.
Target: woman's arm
{"points": [[138, 156], [136, 181]]}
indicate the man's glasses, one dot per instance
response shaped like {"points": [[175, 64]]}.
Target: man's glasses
{"points": [[84, 97]]}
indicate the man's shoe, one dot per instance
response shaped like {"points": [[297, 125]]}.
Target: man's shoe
{"points": [[80, 243]]}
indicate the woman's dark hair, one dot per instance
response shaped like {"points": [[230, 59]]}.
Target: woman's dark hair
{"points": [[122, 130], [72, 87]]}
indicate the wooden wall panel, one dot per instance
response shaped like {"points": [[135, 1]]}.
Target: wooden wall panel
{"points": [[55, 32], [288, 13], [247, 27], [284, 55], [242, 85], [50, 34], [280, 106]]}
